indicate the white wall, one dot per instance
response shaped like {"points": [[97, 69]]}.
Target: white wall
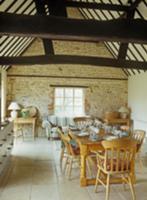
{"points": [[137, 101]]}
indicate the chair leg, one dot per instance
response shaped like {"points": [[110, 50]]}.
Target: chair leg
{"points": [[124, 183], [108, 187], [131, 188], [97, 180], [65, 165], [70, 167], [88, 168], [140, 161], [22, 134], [61, 157]]}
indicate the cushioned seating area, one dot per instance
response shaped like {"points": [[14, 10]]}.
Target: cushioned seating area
{"points": [[52, 122]]}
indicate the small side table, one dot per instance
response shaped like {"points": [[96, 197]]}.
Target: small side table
{"points": [[22, 121]]}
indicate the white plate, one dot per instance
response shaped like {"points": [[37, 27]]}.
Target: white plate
{"points": [[83, 134], [110, 137]]}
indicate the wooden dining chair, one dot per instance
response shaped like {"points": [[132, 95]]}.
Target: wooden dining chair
{"points": [[63, 153], [117, 161], [139, 136], [70, 153]]}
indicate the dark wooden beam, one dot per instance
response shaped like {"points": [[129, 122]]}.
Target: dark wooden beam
{"points": [[121, 30], [65, 77], [57, 7], [135, 4], [123, 50], [74, 60], [124, 46], [100, 6], [48, 46]]}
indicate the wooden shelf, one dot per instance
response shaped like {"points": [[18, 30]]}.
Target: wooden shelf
{"points": [[118, 121]]}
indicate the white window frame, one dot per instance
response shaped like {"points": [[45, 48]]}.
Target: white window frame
{"points": [[73, 99]]}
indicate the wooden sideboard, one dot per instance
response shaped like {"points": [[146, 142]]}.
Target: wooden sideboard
{"points": [[118, 121]]}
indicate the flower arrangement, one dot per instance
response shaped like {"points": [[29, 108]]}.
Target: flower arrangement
{"points": [[25, 112]]}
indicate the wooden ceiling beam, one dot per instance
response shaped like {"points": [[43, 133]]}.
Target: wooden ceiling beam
{"points": [[70, 59], [57, 7], [99, 6], [58, 28], [66, 77], [135, 4], [47, 44], [122, 53]]}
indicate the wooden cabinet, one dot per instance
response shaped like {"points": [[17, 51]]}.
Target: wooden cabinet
{"points": [[118, 121], [6, 144]]}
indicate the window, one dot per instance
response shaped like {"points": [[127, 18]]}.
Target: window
{"points": [[69, 101]]}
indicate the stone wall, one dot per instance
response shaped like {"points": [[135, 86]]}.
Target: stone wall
{"points": [[31, 85]]}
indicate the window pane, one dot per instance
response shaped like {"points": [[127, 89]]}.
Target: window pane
{"points": [[78, 92], [59, 92], [68, 102], [58, 101], [78, 110], [78, 102], [69, 110], [68, 92]]}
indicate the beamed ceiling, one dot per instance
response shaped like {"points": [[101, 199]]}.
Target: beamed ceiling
{"points": [[120, 24]]}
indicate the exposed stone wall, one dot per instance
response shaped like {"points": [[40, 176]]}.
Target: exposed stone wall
{"points": [[101, 95]]}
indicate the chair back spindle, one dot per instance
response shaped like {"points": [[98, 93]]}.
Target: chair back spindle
{"points": [[139, 136], [118, 155]]}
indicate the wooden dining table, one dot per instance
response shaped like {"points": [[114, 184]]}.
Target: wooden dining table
{"points": [[86, 147]]}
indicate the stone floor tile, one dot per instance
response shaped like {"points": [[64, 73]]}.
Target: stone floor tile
{"points": [[16, 193], [45, 192], [35, 174]]}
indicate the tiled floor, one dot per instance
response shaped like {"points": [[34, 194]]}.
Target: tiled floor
{"points": [[35, 174]]}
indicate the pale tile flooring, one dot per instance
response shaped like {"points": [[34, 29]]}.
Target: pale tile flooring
{"points": [[34, 174]]}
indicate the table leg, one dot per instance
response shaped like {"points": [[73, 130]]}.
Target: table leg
{"points": [[83, 181], [83, 175]]}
